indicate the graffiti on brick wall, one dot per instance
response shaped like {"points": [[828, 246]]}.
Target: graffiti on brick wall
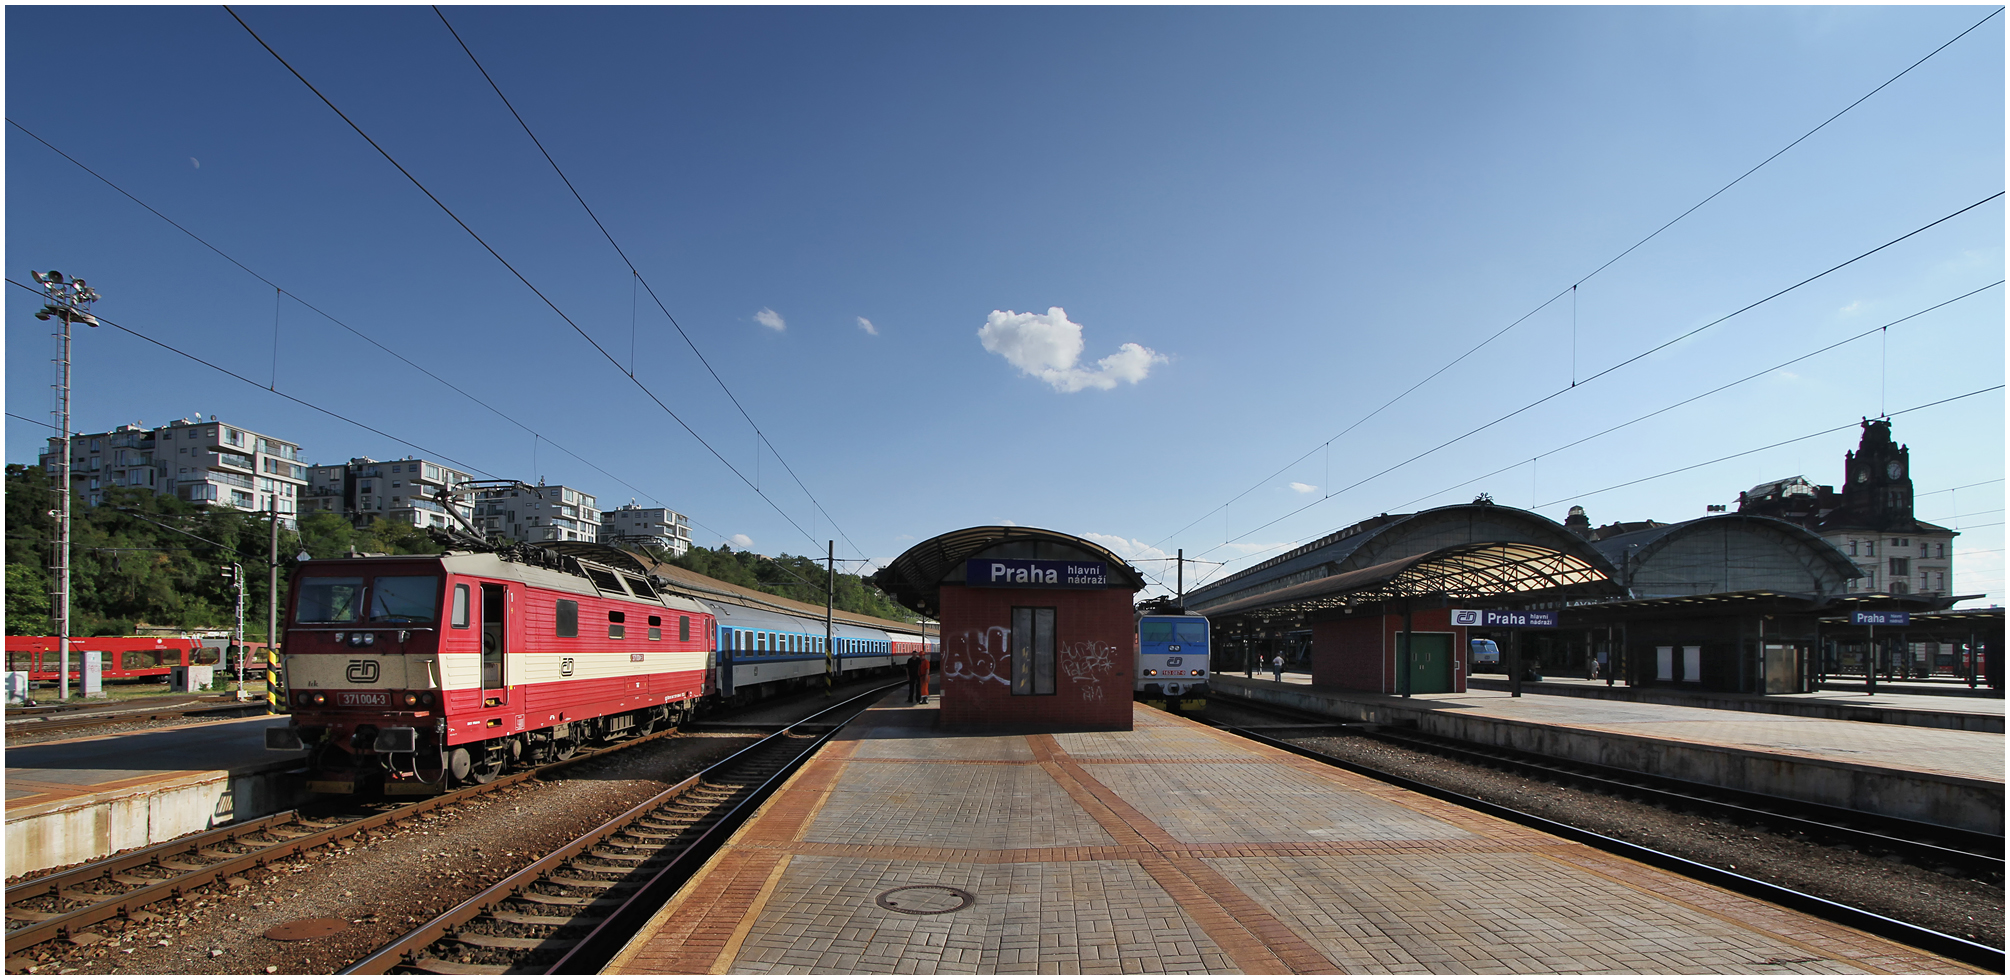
{"points": [[1087, 662], [974, 657]]}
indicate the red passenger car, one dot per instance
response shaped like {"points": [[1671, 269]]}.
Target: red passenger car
{"points": [[126, 658], [418, 671]]}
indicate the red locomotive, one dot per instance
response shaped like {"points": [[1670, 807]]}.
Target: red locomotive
{"points": [[125, 657], [420, 670]]}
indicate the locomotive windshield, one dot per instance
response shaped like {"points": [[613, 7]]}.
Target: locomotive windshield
{"points": [[405, 598], [1155, 631], [330, 599], [1189, 631]]}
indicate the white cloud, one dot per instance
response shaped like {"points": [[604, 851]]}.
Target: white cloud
{"points": [[741, 541], [198, 163], [1301, 487], [1049, 346], [866, 325], [770, 319], [1852, 307]]}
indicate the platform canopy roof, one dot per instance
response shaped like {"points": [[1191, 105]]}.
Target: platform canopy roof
{"points": [[1478, 571], [915, 578]]}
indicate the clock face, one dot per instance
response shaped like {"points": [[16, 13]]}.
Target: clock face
{"points": [[1863, 476], [1893, 469]]}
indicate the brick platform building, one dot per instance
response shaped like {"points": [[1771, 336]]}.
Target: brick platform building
{"points": [[1038, 630]]}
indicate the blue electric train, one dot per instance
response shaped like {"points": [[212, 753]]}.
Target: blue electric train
{"points": [[1173, 663]]}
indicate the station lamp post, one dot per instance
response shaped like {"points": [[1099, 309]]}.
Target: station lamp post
{"points": [[69, 301]]}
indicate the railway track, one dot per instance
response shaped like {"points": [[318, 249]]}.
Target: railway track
{"points": [[1948, 849], [63, 904], [1954, 947], [572, 910], [69, 719]]}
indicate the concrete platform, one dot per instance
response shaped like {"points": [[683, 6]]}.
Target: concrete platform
{"points": [[1922, 705], [1936, 775], [86, 798], [1175, 848]]}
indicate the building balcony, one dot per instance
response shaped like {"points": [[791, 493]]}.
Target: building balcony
{"points": [[225, 478]]}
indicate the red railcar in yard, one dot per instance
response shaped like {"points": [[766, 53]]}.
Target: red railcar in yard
{"points": [[126, 658]]}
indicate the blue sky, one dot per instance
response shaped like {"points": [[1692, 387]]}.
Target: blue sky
{"points": [[1121, 265]]}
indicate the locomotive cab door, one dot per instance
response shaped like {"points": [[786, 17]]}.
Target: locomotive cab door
{"points": [[495, 637]]}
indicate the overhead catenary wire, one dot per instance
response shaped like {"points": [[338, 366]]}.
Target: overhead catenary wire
{"points": [[331, 413], [643, 280], [1720, 388], [366, 338], [105, 321], [1720, 459], [1571, 290], [1615, 367], [596, 345], [1776, 445]]}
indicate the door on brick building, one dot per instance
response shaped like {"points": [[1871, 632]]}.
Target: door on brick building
{"points": [[1431, 664]]}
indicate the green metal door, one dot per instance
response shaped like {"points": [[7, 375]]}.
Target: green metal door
{"points": [[1431, 666]]}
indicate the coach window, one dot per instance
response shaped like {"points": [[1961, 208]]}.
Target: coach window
{"points": [[655, 627], [1032, 650], [568, 617], [460, 606], [684, 629], [615, 619]]}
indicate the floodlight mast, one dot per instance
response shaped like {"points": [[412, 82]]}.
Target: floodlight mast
{"points": [[70, 302]]}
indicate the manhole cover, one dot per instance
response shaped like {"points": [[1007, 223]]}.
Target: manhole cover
{"points": [[306, 929], [925, 899]]}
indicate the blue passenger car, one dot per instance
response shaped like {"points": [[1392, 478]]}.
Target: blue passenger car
{"points": [[1173, 662]]}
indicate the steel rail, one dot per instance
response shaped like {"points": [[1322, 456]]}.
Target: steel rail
{"points": [[1919, 937], [1976, 851], [406, 951], [187, 850], [36, 726]]}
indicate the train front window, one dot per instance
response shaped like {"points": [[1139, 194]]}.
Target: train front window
{"points": [[1155, 632], [1190, 632], [330, 599], [405, 599]]}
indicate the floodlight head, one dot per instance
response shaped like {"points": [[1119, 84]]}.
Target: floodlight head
{"points": [[39, 277], [55, 276]]}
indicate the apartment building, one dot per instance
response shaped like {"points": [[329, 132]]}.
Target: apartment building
{"points": [[404, 490], [208, 462], [536, 514], [657, 528]]}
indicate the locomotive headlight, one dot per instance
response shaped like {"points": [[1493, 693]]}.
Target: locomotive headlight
{"points": [[1151, 673], [339, 637], [320, 699], [369, 639], [411, 699], [426, 698]]}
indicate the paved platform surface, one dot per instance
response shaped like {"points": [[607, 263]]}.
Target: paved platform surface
{"points": [[1962, 754], [48, 771], [1912, 703], [1178, 849]]}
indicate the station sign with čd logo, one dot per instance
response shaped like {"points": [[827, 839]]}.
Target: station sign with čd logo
{"points": [[1863, 617], [1035, 573], [1504, 618]]}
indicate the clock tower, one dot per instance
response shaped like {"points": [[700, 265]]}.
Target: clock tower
{"points": [[1878, 487]]}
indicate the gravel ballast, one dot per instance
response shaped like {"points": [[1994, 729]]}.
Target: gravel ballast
{"points": [[382, 884]]}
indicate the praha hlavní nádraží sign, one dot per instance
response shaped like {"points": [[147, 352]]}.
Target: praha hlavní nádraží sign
{"points": [[1035, 573]]}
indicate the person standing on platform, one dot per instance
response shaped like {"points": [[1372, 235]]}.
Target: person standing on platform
{"points": [[1277, 668], [913, 678]]}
